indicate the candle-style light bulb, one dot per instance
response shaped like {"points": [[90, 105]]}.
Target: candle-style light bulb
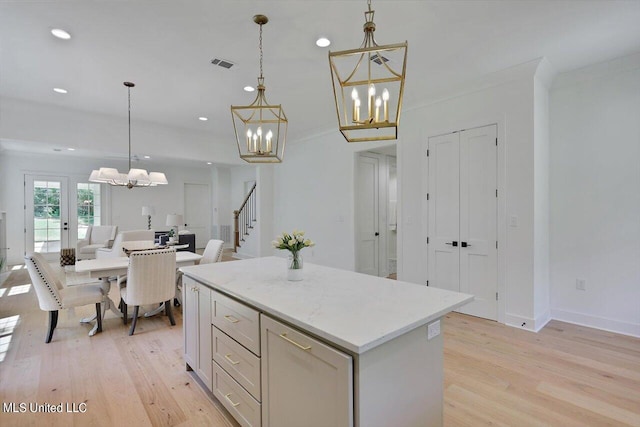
{"points": [[385, 98], [372, 94], [255, 143], [259, 133], [357, 110], [269, 137], [354, 97], [248, 140], [378, 104]]}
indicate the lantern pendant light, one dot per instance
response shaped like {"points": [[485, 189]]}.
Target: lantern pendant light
{"points": [[368, 85], [260, 128]]}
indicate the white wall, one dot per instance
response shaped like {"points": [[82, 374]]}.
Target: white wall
{"points": [[313, 190], [595, 195], [126, 205], [222, 207], [542, 81]]}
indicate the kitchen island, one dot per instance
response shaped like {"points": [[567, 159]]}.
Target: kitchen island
{"points": [[336, 349]]}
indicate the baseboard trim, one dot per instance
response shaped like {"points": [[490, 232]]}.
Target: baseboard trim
{"points": [[610, 325], [520, 322]]}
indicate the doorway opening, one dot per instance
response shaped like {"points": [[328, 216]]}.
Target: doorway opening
{"points": [[376, 196]]}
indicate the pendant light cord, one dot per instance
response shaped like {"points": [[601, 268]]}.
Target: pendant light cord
{"points": [[260, 44], [129, 99]]}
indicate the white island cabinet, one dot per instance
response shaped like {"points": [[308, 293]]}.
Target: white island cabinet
{"points": [[335, 349]]}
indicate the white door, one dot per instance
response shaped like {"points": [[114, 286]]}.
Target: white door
{"points": [[197, 212], [444, 212], [367, 233], [478, 218], [46, 214], [462, 253]]}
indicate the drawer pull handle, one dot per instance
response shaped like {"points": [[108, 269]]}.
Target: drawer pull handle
{"points": [[226, 396], [231, 319], [228, 357], [300, 346]]}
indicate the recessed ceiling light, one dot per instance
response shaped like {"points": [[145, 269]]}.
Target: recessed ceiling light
{"points": [[59, 90], [323, 42], [71, 149], [204, 119], [249, 89], [208, 163], [147, 157], [61, 34]]}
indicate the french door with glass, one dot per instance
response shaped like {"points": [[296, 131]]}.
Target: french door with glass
{"points": [[46, 214], [58, 212]]}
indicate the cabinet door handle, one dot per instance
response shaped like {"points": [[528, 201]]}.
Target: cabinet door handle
{"points": [[226, 396], [228, 357], [231, 319], [300, 346]]}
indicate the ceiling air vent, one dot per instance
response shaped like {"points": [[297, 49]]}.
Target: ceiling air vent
{"points": [[379, 59], [222, 63]]}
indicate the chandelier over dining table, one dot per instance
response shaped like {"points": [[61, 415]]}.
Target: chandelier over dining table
{"points": [[368, 86], [135, 177]]}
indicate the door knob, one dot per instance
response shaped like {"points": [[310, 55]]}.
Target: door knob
{"points": [[465, 245], [454, 243], [377, 234]]}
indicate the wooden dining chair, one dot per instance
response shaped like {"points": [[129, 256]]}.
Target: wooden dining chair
{"points": [[52, 296], [151, 279]]}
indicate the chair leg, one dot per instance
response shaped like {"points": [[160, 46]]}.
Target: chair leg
{"points": [[135, 319], [98, 317], [167, 309], [53, 322], [125, 317]]}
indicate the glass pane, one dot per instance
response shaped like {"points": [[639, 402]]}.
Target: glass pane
{"points": [[88, 208], [46, 213]]}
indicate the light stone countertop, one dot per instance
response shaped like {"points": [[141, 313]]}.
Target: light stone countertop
{"points": [[351, 310]]}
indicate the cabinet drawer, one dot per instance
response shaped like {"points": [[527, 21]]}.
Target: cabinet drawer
{"points": [[239, 362], [304, 381], [236, 320], [244, 408]]}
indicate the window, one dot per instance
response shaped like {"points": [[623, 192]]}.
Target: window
{"points": [[89, 207]]}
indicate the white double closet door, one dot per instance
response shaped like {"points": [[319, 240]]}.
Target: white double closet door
{"points": [[462, 248]]}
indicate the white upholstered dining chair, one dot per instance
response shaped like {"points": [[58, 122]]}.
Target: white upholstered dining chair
{"points": [[52, 296], [212, 252], [133, 239], [151, 278]]}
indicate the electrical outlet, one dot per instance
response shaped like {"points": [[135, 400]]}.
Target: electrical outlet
{"points": [[433, 330], [581, 284]]}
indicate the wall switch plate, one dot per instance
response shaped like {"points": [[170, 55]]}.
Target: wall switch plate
{"points": [[581, 284], [433, 330], [513, 221]]}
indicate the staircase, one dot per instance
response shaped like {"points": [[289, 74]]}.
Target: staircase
{"points": [[244, 218]]}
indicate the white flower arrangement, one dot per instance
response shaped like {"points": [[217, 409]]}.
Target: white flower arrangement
{"points": [[293, 242]]}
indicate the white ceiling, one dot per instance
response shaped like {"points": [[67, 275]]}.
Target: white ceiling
{"points": [[165, 47]]}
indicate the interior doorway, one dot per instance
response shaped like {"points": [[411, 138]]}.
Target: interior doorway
{"points": [[375, 212]]}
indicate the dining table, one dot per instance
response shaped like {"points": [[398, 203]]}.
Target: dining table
{"points": [[104, 268]]}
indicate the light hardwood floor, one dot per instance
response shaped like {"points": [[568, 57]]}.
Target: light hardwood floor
{"points": [[566, 375]]}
